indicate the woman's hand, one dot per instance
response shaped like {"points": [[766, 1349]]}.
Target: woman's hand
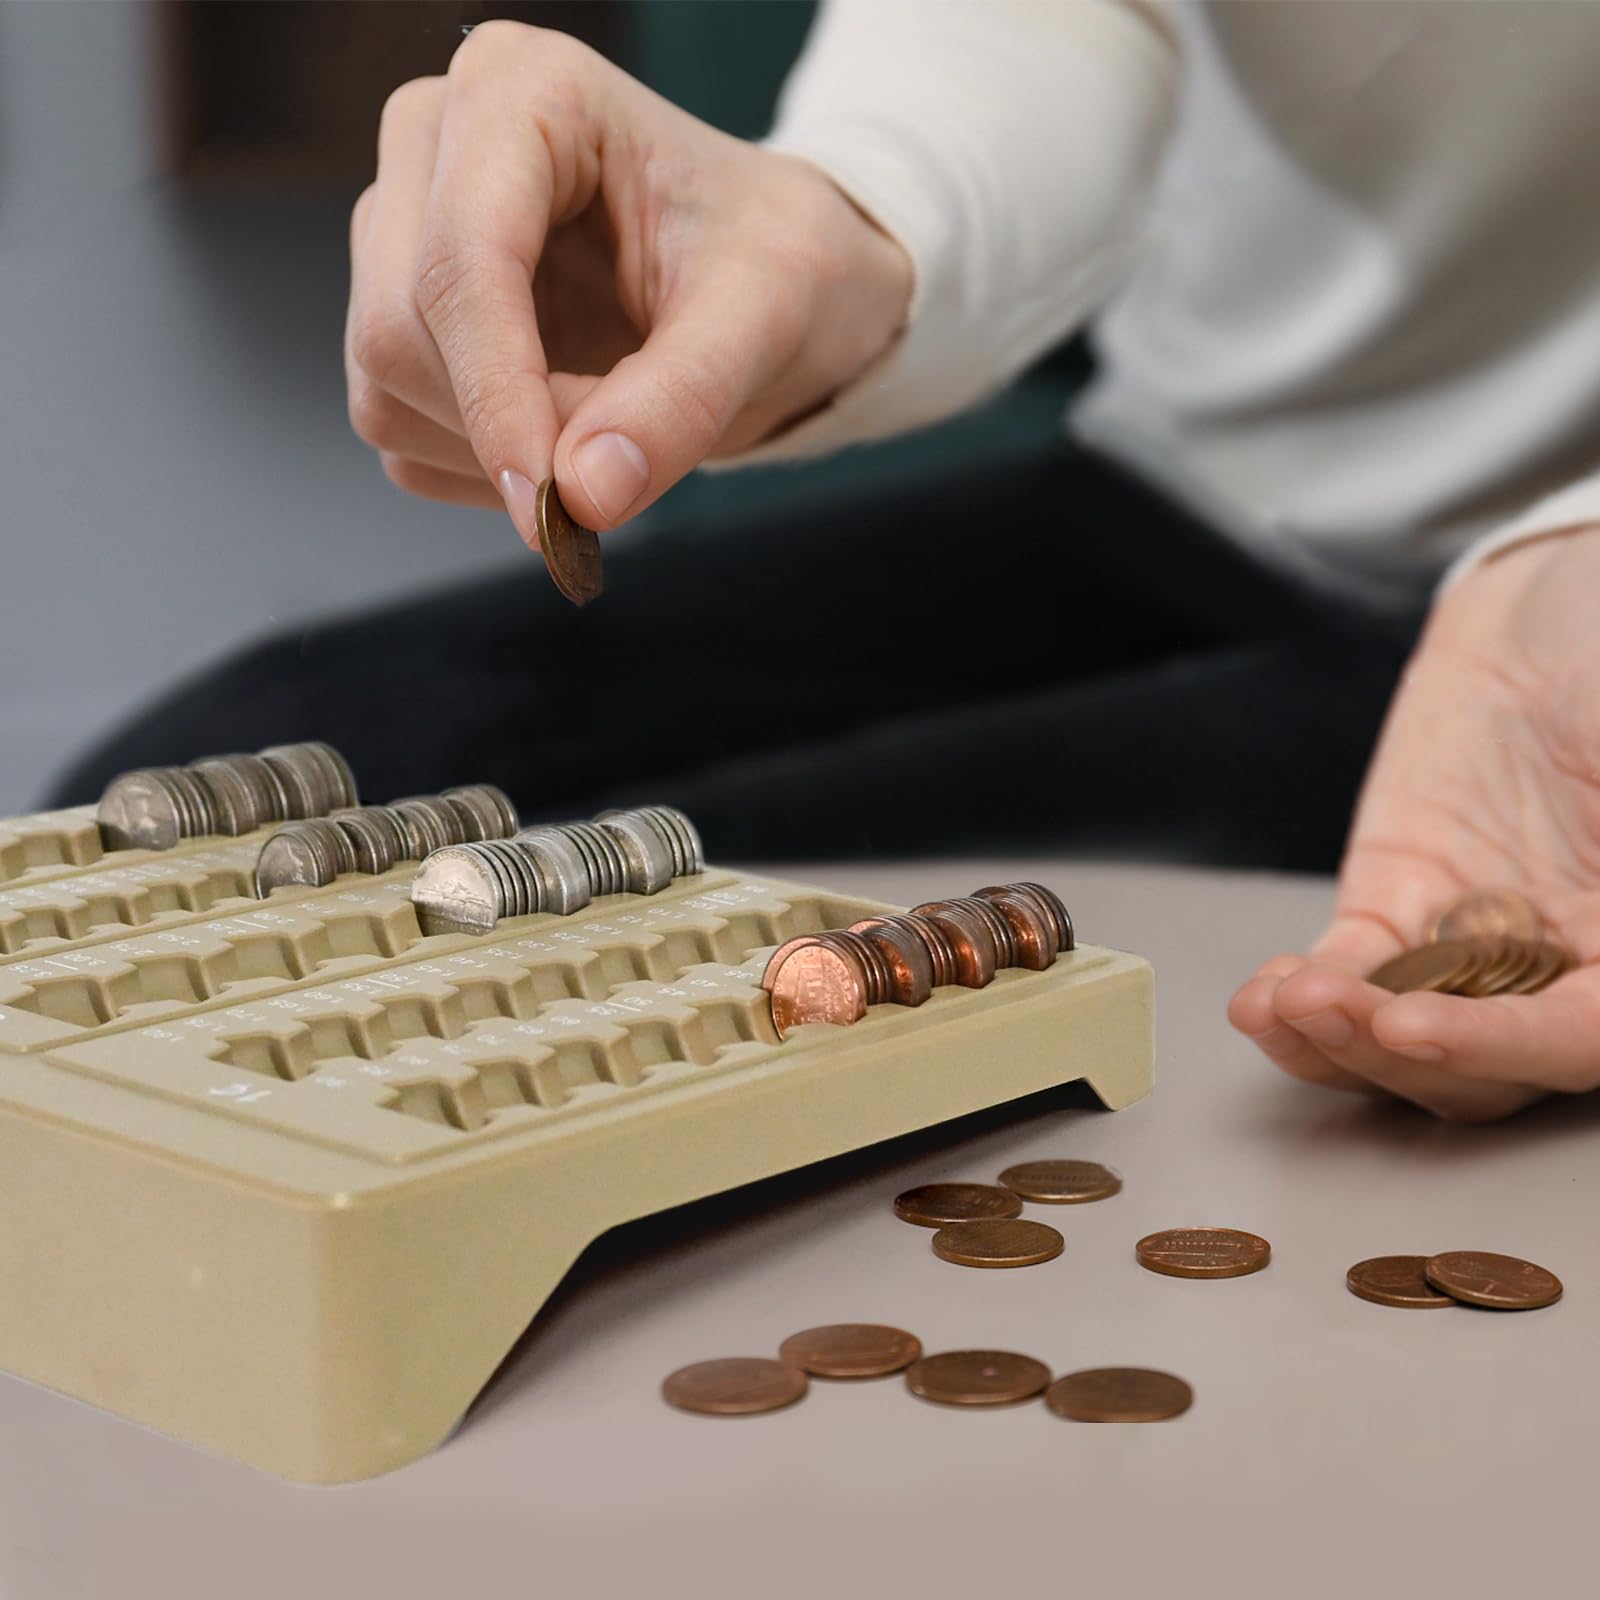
{"points": [[1488, 773], [557, 269]]}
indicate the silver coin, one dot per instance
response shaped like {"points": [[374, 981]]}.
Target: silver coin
{"points": [[232, 799], [561, 870], [375, 836], [457, 891], [139, 811], [309, 853], [301, 785], [429, 823], [271, 799], [486, 811], [687, 852], [645, 846], [602, 851]]}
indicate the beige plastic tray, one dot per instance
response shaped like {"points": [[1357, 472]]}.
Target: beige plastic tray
{"points": [[287, 1179]]}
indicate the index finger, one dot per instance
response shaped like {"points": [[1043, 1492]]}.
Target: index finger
{"points": [[495, 187]]}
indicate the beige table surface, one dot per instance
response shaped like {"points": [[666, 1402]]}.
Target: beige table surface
{"points": [[1335, 1447]]}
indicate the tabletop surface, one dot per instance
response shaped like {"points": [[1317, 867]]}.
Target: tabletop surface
{"points": [[1333, 1445]]}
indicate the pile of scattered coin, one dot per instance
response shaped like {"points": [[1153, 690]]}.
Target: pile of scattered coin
{"points": [[1489, 942], [561, 867], [372, 839], [1455, 1278], [152, 808], [835, 975], [745, 1385]]}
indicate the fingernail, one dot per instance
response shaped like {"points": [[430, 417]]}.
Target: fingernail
{"points": [[521, 497], [1331, 1027], [1420, 1051], [613, 472]]}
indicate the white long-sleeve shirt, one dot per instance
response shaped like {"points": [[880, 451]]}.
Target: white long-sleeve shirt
{"points": [[1343, 259]]}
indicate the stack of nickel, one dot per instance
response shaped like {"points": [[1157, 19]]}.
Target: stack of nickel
{"points": [[835, 975], [560, 867], [154, 807], [1489, 942], [372, 839]]}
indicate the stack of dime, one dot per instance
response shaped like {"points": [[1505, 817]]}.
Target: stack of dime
{"points": [[835, 975], [1489, 942], [154, 807], [372, 839], [560, 868]]}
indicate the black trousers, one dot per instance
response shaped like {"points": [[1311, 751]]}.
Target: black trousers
{"points": [[1049, 658]]}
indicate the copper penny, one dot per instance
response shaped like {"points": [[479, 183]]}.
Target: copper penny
{"points": [[1490, 914], [1050, 904], [1061, 1183], [1549, 963], [1119, 1394], [970, 938], [1434, 967], [906, 955], [1395, 1281], [1203, 1252], [998, 1244], [571, 553], [1510, 960], [851, 1350], [977, 1378], [936, 1205], [1033, 937], [1501, 1283], [734, 1387], [815, 982]]}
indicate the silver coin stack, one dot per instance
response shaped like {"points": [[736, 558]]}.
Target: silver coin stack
{"points": [[372, 839], [154, 807], [559, 867]]}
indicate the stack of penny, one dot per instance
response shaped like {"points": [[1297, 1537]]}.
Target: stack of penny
{"points": [[835, 975], [1489, 942], [1477, 1278], [372, 839], [154, 807]]}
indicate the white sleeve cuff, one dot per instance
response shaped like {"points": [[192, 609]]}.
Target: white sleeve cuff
{"points": [[1576, 506]]}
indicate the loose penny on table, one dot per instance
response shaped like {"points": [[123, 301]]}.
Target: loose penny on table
{"points": [[977, 1378], [1060, 1183], [998, 1244], [1395, 1281], [735, 1386], [1500, 1283], [1119, 1394], [851, 1350], [1203, 1252], [936, 1205]]}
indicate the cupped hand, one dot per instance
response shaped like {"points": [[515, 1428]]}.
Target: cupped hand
{"points": [[557, 270], [1487, 773]]}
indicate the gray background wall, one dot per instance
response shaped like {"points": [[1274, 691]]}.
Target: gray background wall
{"points": [[176, 471]]}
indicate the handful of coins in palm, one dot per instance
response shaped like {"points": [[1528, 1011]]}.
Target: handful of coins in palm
{"points": [[1489, 942]]}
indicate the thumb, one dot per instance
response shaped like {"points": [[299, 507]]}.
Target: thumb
{"points": [[661, 411]]}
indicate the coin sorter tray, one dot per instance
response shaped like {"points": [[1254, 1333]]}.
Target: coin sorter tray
{"points": [[287, 1179]]}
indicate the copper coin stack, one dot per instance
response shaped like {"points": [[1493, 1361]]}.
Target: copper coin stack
{"points": [[1489, 942], [835, 975]]}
